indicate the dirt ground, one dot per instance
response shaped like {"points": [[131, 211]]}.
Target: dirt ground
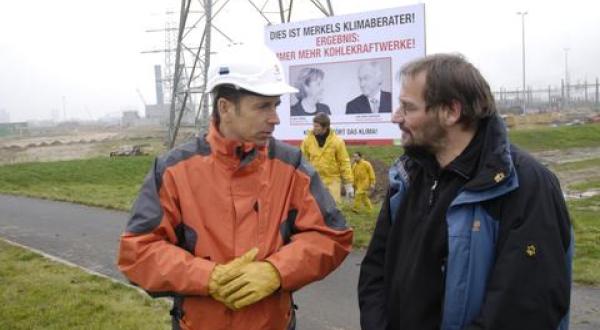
{"points": [[64, 144]]}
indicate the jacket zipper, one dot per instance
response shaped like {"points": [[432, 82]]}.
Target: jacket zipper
{"points": [[432, 192], [444, 269]]}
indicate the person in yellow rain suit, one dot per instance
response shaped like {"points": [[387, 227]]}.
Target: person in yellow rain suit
{"points": [[364, 182], [327, 153]]}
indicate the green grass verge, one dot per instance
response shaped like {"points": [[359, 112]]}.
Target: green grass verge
{"points": [[578, 165], [533, 140], [36, 293], [386, 154], [104, 182], [591, 183], [553, 138], [362, 222], [590, 168], [115, 183], [587, 240]]}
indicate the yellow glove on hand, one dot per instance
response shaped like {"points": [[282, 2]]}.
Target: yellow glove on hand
{"points": [[257, 280], [228, 270]]}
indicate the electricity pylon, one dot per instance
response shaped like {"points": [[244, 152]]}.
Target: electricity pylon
{"points": [[194, 45]]}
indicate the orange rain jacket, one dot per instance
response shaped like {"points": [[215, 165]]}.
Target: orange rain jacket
{"points": [[213, 199]]}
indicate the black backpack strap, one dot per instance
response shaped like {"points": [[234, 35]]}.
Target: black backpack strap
{"points": [[292, 323], [176, 312]]}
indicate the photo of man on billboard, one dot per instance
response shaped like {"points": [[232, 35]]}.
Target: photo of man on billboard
{"points": [[373, 99]]}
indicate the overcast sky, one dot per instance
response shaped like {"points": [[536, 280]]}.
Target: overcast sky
{"points": [[84, 56]]}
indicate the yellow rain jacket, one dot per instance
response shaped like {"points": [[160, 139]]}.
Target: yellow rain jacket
{"points": [[331, 161], [364, 176]]}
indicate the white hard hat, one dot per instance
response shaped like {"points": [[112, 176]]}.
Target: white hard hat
{"points": [[253, 68]]}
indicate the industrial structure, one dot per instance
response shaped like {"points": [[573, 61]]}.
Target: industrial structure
{"points": [[204, 26]]}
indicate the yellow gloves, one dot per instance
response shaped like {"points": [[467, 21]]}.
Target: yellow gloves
{"points": [[256, 281], [232, 267], [243, 281]]}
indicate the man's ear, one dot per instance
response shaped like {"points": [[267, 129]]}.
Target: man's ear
{"points": [[451, 114], [225, 107]]}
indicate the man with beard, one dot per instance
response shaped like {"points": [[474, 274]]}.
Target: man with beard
{"points": [[474, 233]]}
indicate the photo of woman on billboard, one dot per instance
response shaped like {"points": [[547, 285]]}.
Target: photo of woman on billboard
{"points": [[310, 93]]}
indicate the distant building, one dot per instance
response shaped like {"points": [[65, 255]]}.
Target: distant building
{"points": [[158, 114], [130, 118], [4, 116], [18, 129]]}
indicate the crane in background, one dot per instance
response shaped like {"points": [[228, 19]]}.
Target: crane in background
{"points": [[141, 97]]}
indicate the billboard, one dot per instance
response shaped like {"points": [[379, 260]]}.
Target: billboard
{"points": [[347, 67]]}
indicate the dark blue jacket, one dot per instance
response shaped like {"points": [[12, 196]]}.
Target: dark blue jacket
{"points": [[510, 246], [360, 104]]}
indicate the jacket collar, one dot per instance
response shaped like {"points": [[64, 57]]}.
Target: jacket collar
{"points": [[330, 137], [496, 174], [495, 164], [495, 167], [234, 154]]}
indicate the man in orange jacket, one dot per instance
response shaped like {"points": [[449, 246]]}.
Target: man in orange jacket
{"points": [[232, 223]]}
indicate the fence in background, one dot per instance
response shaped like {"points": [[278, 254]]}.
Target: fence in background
{"points": [[550, 99]]}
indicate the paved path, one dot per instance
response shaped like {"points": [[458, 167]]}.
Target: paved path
{"points": [[88, 237]]}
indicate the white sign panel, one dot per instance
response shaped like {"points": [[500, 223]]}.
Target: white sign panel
{"points": [[347, 66]]}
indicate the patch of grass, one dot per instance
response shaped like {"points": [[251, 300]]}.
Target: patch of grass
{"points": [[104, 182], [386, 154], [589, 184], [36, 293], [362, 222], [532, 140], [578, 165], [552, 138], [586, 222], [115, 183], [582, 175]]}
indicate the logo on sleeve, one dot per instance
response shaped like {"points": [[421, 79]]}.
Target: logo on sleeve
{"points": [[499, 177], [530, 250]]}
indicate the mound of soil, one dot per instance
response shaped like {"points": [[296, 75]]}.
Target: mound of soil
{"points": [[382, 181]]}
